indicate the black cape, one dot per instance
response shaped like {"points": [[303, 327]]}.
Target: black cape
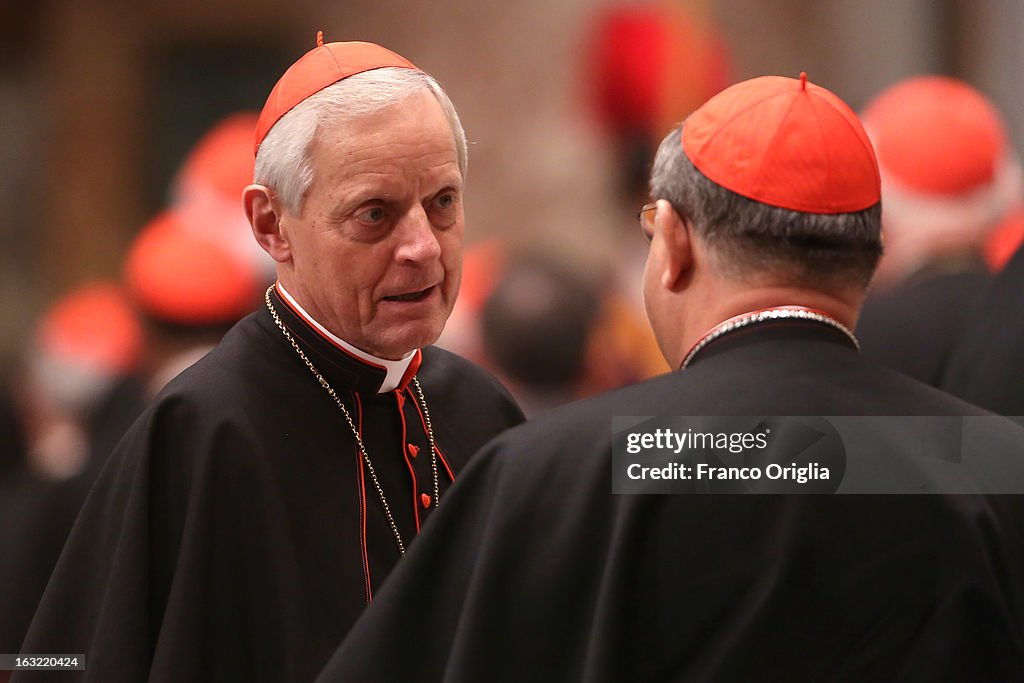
{"points": [[534, 570], [914, 327], [986, 365], [235, 533]]}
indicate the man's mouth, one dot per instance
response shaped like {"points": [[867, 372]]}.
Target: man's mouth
{"points": [[412, 296]]}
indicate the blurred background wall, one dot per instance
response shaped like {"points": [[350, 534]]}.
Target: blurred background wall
{"points": [[101, 99]]}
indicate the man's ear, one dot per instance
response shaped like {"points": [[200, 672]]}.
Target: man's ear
{"points": [[265, 214], [676, 241]]}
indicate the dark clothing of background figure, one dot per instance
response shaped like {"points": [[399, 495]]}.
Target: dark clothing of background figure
{"points": [[36, 515], [112, 417], [913, 327], [25, 558], [986, 365], [235, 533], [535, 569], [21, 493], [12, 437]]}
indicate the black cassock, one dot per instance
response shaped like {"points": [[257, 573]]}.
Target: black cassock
{"points": [[236, 533], [533, 570], [986, 365]]}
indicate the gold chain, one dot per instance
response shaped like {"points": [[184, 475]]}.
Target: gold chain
{"points": [[352, 425]]}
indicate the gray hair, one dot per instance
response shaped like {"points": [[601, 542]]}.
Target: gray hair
{"points": [[283, 163], [751, 239]]}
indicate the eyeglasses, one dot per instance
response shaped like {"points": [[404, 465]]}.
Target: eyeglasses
{"points": [[646, 219]]}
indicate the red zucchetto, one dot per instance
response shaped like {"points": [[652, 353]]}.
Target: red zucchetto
{"points": [[320, 67], [785, 142]]}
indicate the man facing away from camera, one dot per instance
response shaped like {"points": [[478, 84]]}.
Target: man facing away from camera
{"points": [[764, 234], [255, 508]]}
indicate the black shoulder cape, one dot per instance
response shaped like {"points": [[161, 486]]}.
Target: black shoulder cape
{"points": [[235, 533], [534, 570]]}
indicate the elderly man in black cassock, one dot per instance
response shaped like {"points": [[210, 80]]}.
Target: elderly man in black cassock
{"points": [[764, 234], [255, 508]]}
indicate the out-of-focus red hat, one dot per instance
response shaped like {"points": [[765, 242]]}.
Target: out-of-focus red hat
{"points": [[94, 327], [949, 172], [936, 135], [785, 142], [320, 67], [209, 185], [650, 65], [175, 275], [220, 162]]}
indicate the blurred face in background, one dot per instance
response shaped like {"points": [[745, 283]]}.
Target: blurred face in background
{"points": [[376, 251]]}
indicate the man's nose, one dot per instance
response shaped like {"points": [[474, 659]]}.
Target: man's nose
{"points": [[417, 241]]}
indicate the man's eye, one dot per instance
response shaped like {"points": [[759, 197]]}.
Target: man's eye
{"points": [[445, 201], [371, 215]]}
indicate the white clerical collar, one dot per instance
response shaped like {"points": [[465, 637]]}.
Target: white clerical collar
{"points": [[396, 369]]}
